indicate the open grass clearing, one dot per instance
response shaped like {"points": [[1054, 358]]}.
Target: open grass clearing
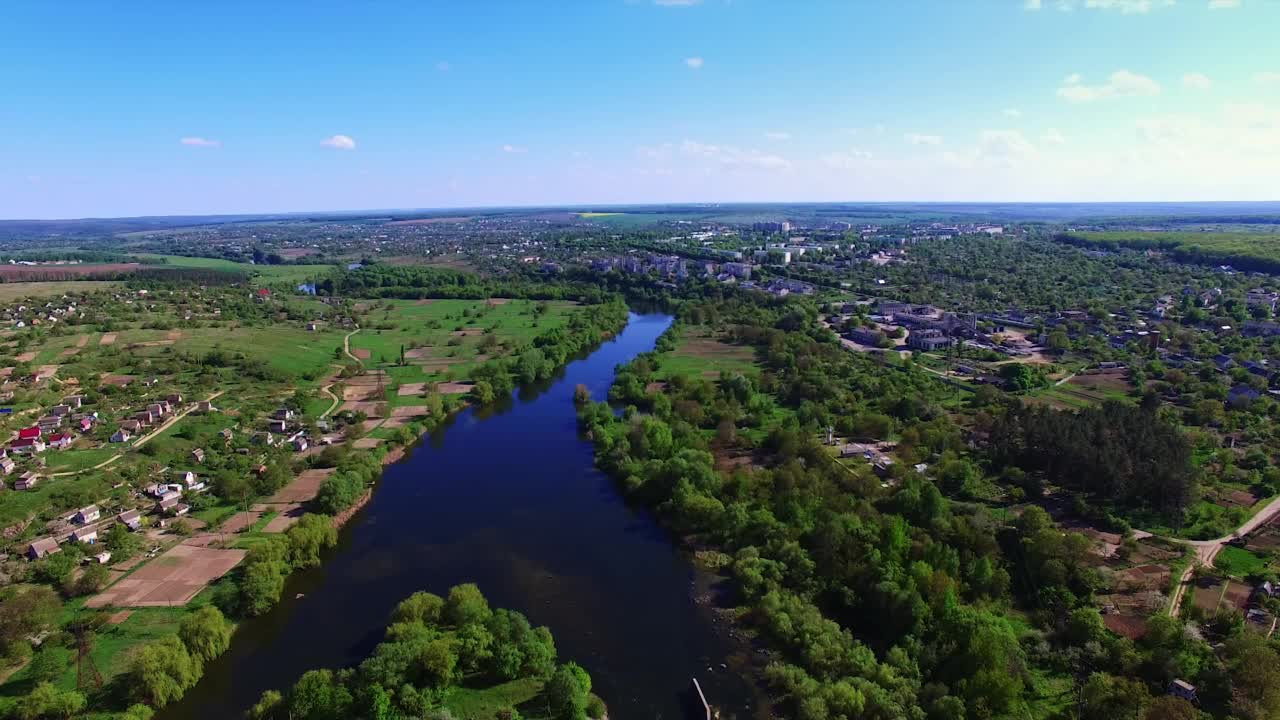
{"points": [[700, 353]]}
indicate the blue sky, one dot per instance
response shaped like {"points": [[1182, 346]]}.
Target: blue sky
{"points": [[110, 109]]}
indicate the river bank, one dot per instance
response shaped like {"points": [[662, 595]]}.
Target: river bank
{"points": [[507, 497]]}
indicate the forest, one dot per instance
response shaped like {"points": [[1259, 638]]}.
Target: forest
{"points": [[900, 597]]}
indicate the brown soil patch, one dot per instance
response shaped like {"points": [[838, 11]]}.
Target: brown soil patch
{"points": [[454, 388], [411, 389], [174, 335], [48, 370], [424, 301], [654, 387], [26, 357], [361, 353], [371, 409], [118, 380], [469, 332], [396, 422], [81, 342], [370, 425], [1107, 380], [116, 618], [497, 301], [279, 524], [171, 579], [418, 353], [366, 443], [1143, 577], [151, 343], [294, 253], [241, 521], [6, 372], [1130, 626], [361, 392], [410, 411], [107, 339], [304, 488]]}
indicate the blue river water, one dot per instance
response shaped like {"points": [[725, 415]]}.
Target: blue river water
{"points": [[508, 499]]}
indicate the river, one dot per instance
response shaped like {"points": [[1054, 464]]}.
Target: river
{"points": [[510, 500]]}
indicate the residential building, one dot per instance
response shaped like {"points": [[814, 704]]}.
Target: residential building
{"points": [[26, 481], [42, 547], [131, 519], [87, 514], [89, 536], [928, 340]]}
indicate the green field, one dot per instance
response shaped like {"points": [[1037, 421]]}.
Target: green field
{"points": [[484, 703], [699, 353], [293, 350], [261, 274], [1239, 562], [448, 334], [17, 290]]}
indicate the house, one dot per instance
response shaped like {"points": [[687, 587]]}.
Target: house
{"points": [[1242, 395], [7, 465], [144, 418], [186, 477], [204, 406], [85, 535], [1183, 689], [87, 515], [300, 444], [173, 398], [197, 455], [132, 425], [49, 423], [60, 410], [27, 447], [279, 426], [179, 510], [103, 557], [86, 424], [264, 438], [75, 401], [30, 433], [121, 435], [42, 547], [131, 519], [60, 441], [26, 481], [168, 503], [283, 414]]}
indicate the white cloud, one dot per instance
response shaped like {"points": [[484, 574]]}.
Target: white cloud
{"points": [[443, 65], [918, 139], [778, 135], [693, 62], [730, 156], [339, 142], [1269, 78], [1011, 112], [200, 142], [848, 160], [1196, 81], [1125, 7], [1122, 83], [1223, 4], [1053, 136], [514, 149]]}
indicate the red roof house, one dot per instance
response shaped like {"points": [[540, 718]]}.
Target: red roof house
{"points": [[31, 433]]}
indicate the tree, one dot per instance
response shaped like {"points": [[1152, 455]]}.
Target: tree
{"points": [[308, 537], [319, 696], [1168, 707], [206, 633], [25, 610], [47, 701], [262, 584], [267, 705], [567, 692], [122, 543], [466, 604], [93, 579], [439, 662], [136, 712], [161, 671], [421, 607], [1106, 697]]}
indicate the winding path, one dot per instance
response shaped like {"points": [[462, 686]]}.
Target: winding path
{"points": [[1207, 550]]}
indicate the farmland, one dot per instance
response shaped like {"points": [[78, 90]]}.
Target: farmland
{"points": [[701, 352], [1248, 250]]}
